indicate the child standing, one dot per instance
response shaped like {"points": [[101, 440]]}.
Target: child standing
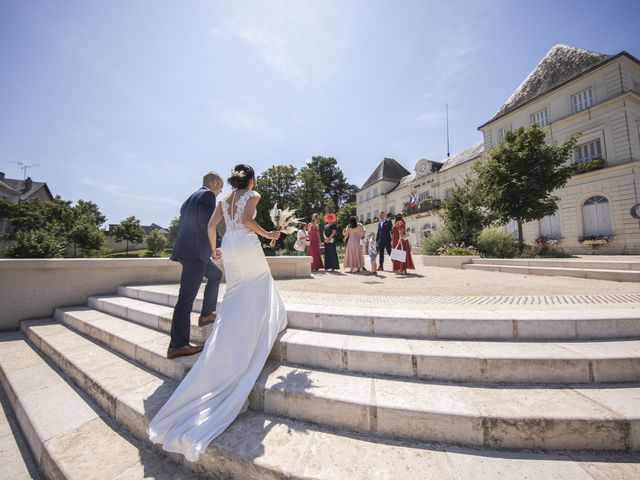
{"points": [[372, 250]]}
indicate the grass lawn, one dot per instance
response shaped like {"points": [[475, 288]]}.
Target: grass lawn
{"points": [[139, 254]]}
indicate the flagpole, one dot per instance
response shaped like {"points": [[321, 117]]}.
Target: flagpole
{"points": [[447, 115]]}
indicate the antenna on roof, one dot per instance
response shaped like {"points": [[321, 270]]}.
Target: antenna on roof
{"points": [[24, 168], [447, 115]]}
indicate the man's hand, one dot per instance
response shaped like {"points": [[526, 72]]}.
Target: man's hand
{"points": [[217, 254]]}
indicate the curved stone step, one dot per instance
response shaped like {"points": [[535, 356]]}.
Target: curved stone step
{"points": [[596, 264], [471, 323], [453, 360], [152, 315], [514, 417], [259, 446], [145, 345], [591, 273], [68, 437]]}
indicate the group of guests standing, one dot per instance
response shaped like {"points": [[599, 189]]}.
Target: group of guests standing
{"points": [[389, 236]]}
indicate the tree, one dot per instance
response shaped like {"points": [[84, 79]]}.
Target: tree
{"points": [[463, 214], [278, 185], [85, 209], [156, 242], [87, 235], [335, 184], [309, 194], [129, 230], [174, 228], [517, 180]]}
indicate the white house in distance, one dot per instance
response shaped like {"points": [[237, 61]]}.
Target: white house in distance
{"points": [[570, 91]]}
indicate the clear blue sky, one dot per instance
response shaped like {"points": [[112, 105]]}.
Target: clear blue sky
{"points": [[128, 102]]}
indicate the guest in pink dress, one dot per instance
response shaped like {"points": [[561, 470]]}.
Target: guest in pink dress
{"points": [[314, 244], [353, 258]]}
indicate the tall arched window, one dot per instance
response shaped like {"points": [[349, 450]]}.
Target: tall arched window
{"points": [[595, 216]]}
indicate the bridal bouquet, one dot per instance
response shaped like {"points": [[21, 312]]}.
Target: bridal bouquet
{"points": [[283, 219]]}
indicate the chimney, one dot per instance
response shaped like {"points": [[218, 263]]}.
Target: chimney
{"points": [[28, 183], [1, 175]]}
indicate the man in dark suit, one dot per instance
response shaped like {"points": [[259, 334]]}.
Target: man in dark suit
{"points": [[193, 250], [383, 238]]}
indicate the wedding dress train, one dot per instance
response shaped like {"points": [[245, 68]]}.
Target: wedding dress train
{"points": [[249, 320]]}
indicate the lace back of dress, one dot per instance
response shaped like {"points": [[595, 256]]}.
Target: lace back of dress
{"points": [[233, 210]]}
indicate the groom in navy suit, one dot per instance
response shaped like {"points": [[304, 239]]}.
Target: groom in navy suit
{"points": [[193, 250], [383, 238]]}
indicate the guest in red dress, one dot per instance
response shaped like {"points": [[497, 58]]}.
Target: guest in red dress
{"points": [[314, 244], [397, 232]]}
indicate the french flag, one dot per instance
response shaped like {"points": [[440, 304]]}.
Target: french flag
{"points": [[412, 200]]}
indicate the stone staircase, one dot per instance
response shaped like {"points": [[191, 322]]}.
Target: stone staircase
{"points": [[616, 270], [349, 392]]}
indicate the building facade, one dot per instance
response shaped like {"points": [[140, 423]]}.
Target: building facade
{"points": [[570, 91]]}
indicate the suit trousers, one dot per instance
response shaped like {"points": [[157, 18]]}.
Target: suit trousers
{"points": [[381, 249], [190, 280]]}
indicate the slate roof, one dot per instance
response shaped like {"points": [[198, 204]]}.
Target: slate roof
{"points": [[387, 169], [561, 64], [463, 156], [21, 187]]}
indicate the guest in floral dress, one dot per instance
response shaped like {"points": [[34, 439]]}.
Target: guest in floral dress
{"points": [[353, 258], [302, 240], [397, 241], [314, 244]]}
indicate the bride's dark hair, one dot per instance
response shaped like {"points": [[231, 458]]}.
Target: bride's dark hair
{"points": [[241, 175]]}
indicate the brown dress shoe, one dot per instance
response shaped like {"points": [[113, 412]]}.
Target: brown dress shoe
{"points": [[206, 319], [175, 352]]}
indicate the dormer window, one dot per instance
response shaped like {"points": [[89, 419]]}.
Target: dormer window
{"points": [[581, 100], [541, 117]]}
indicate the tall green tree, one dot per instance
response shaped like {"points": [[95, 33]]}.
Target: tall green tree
{"points": [[309, 194], [335, 183], [277, 184], [129, 230], [521, 173], [462, 212]]}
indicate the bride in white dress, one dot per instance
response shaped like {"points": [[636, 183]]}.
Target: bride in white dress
{"points": [[249, 320]]}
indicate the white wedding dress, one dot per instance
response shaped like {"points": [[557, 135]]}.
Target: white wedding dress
{"points": [[249, 320]]}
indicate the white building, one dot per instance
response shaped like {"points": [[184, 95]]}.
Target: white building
{"points": [[570, 91]]}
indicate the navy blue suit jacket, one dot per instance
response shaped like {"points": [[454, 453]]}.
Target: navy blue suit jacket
{"points": [[383, 238], [193, 241]]}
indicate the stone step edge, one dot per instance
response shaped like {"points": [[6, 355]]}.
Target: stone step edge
{"points": [[536, 269], [491, 324], [214, 462], [614, 433], [443, 366], [393, 452], [577, 264], [118, 342], [51, 463]]}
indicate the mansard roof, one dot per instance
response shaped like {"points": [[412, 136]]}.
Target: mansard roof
{"points": [[387, 169], [464, 156], [561, 64]]}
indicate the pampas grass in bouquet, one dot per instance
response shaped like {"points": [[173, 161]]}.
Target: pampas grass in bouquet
{"points": [[284, 220]]}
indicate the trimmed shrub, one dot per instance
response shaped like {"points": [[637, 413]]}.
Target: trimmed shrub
{"points": [[437, 239], [460, 251], [37, 244], [495, 242]]}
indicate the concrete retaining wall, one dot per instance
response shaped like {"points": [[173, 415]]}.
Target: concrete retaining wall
{"points": [[33, 288]]}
